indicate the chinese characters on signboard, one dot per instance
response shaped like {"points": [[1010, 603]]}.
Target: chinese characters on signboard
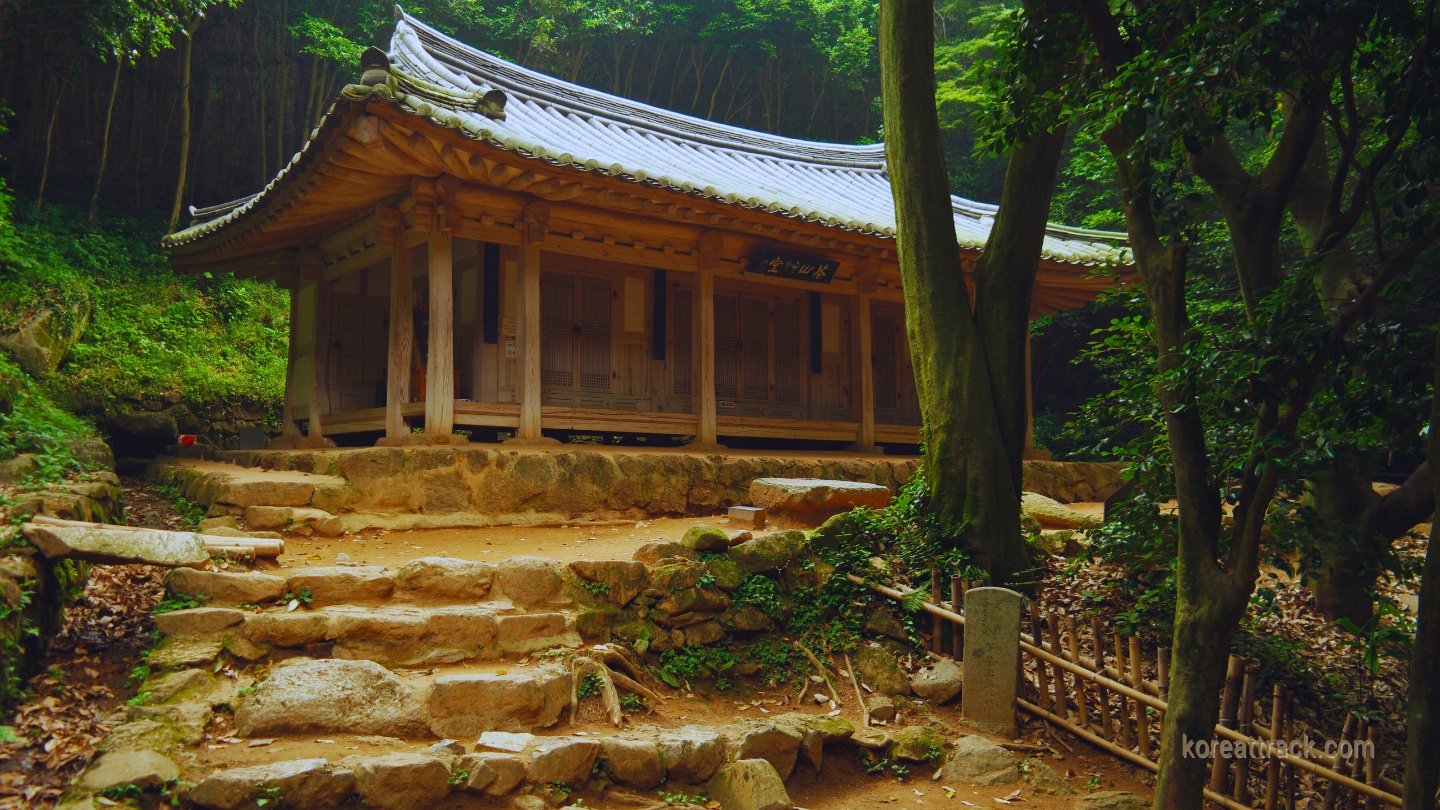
{"points": [[804, 268]]}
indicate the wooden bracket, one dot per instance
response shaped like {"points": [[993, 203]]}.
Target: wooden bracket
{"points": [[708, 247], [535, 220]]}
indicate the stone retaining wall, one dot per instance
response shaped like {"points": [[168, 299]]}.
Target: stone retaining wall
{"points": [[482, 485]]}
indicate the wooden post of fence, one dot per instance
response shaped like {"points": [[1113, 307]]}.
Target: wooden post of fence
{"points": [[957, 630], [1123, 718], [1082, 708], [1272, 764], [1229, 700], [1103, 694], [1371, 767], [1142, 720], [1245, 724], [1042, 680], [1287, 770], [1062, 689], [1332, 791], [937, 624], [1162, 671], [1357, 762]]}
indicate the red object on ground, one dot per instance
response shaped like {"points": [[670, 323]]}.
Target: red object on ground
{"points": [[187, 439]]}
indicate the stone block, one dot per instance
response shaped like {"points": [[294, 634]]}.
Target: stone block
{"points": [[751, 517], [992, 659]]}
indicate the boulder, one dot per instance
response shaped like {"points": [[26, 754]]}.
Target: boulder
{"points": [[749, 784], [264, 517], [1111, 800], [939, 683], [143, 769], [615, 581], [692, 754], [529, 581], [566, 760], [877, 668], [491, 774], [342, 585], [330, 696], [700, 538], [140, 735], [774, 742], [400, 781], [882, 708], [300, 782], [815, 499], [117, 546], [209, 525], [1051, 514], [657, 552], [916, 744], [815, 731], [1071, 481], [445, 578], [266, 490], [1044, 779], [41, 340], [468, 705], [768, 552], [635, 763], [221, 588], [977, 761], [201, 621]]}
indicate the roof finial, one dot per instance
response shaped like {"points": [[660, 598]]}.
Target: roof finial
{"points": [[374, 66]]}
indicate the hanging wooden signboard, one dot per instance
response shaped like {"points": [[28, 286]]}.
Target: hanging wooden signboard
{"points": [[790, 265]]}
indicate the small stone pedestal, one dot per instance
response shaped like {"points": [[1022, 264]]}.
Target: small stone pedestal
{"points": [[992, 659]]}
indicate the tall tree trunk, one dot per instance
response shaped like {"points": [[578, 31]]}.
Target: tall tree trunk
{"points": [[50, 137], [186, 62], [105, 141], [1422, 767], [969, 362]]}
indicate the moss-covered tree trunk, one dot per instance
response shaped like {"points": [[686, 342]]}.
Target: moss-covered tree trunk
{"points": [[969, 357], [1422, 767]]}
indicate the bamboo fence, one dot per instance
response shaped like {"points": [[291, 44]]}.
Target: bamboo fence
{"points": [[1093, 683]]}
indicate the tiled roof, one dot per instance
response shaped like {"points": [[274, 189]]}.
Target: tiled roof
{"points": [[545, 118]]}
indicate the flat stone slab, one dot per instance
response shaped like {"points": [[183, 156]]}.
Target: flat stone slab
{"points": [[815, 498], [117, 546]]}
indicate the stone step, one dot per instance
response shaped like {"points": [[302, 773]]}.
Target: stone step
{"points": [[526, 581], [400, 636], [468, 771]]}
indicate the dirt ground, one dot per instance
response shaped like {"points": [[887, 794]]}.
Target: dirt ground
{"points": [[566, 543]]}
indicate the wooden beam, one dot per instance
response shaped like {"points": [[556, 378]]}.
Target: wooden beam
{"points": [[440, 365], [288, 429], [529, 254], [402, 337], [706, 405], [320, 346], [867, 377]]}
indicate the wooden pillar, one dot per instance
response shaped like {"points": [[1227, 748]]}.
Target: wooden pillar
{"points": [[288, 430], [529, 341], [440, 365], [867, 378], [402, 336], [312, 274], [706, 434]]}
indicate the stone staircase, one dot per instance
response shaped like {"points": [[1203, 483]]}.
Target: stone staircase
{"points": [[389, 670]]}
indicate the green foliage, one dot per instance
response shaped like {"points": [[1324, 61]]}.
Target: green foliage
{"points": [[152, 333], [631, 703], [191, 512], [678, 797], [303, 597], [780, 662], [458, 777], [589, 686], [37, 425], [760, 592], [177, 601], [684, 664], [595, 587]]}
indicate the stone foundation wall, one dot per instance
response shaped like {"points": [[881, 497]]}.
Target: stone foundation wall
{"points": [[484, 485]]}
